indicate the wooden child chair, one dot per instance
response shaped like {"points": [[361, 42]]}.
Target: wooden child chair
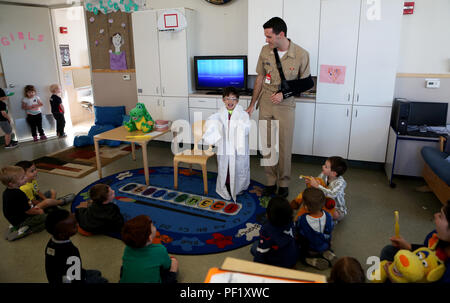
{"points": [[194, 156]]}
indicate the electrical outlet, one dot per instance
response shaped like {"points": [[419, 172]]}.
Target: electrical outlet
{"points": [[433, 83], [126, 77]]}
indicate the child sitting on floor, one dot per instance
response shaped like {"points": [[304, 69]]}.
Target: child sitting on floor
{"points": [[101, 216], [21, 213], [347, 270], [276, 244], [31, 188], [314, 230], [332, 184], [62, 258], [144, 262]]}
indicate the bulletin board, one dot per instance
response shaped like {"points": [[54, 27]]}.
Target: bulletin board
{"points": [[101, 28]]}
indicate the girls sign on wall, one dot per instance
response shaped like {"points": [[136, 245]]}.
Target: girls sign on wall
{"points": [[21, 37]]}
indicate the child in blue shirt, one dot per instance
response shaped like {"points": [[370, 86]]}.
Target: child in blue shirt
{"points": [[276, 244], [314, 230]]}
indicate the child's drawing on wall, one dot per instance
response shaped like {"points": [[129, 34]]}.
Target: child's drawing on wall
{"points": [[117, 58]]}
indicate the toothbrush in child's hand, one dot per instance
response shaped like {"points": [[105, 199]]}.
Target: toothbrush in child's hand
{"points": [[396, 225]]}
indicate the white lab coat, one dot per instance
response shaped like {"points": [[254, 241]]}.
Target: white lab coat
{"points": [[231, 140]]}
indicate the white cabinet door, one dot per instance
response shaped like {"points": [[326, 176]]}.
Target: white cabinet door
{"points": [[331, 130], [146, 53], [304, 128], [174, 109], [197, 114], [302, 18], [259, 12], [174, 63], [378, 51], [369, 133], [339, 22], [153, 106]]}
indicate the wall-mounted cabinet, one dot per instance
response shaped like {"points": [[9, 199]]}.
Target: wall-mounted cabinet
{"points": [[363, 38], [162, 57], [163, 65]]}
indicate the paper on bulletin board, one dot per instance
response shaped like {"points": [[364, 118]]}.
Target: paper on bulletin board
{"points": [[334, 74]]}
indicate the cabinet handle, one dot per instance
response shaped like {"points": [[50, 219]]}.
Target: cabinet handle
{"points": [[164, 103], [356, 114], [357, 97], [157, 90], [158, 102], [347, 112]]}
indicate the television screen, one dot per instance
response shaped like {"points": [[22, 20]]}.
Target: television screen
{"points": [[428, 113], [217, 72]]}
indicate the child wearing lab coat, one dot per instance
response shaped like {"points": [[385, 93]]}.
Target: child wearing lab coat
{"points": [[228, 130]]}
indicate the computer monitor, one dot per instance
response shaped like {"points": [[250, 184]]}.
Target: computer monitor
{"points": [[217, 72], [427, 113]]}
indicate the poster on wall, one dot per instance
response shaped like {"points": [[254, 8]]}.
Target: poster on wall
{"points": [[333, 74], [65, 54]]}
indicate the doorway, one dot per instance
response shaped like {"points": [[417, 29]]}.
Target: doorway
{"points": [[70, 36]]}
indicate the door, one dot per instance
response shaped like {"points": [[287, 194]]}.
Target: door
{"points": [[174, 109], [27, 50], [304, 128], [302, 18], [338, 41], [331, 130], [146, 53], [173, 60], [369, 133], [378, 52]]}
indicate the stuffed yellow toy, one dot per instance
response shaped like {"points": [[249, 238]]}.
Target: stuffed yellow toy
{"points": [[419, 266], [329, 206]]}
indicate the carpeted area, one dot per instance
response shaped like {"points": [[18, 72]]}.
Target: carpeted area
{"points": [[77, 162], [188, 221]]}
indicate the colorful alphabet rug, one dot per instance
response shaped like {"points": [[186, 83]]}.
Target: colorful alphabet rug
{"points": [[188, 221]]}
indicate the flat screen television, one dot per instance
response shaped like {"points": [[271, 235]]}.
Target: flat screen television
{"points": [[213, 73], [427, 113]]}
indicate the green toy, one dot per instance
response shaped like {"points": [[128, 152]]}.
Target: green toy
{"points": [[140, 119]]}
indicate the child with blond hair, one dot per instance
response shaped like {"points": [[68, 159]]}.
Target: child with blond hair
{"points": [[57, 110]]}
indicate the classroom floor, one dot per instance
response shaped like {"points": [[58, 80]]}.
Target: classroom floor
{"points": [[363, 233]]}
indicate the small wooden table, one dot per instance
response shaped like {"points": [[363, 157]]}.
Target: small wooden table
{"points": [[121, 134]]}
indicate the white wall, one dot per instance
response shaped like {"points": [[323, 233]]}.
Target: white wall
{"points": [[73, 19], [425, 42], [222, 29]]}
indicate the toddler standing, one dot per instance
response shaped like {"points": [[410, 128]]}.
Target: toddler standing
{"points": [[32, 104], [229, 130], [5, 121], [57, 110]]}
